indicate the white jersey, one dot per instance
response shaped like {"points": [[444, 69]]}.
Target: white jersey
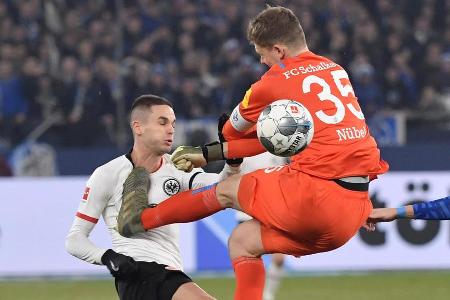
{"points": [[253, 163], [262, 161], [103, 195]]}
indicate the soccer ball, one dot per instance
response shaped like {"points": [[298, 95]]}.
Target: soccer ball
{"points": [[285, 128]]}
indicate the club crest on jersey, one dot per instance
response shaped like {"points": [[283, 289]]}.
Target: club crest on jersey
{"points": [[171, 186]]}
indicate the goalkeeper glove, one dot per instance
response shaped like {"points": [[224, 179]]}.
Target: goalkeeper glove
{"points": [[186, 158], [119, 265]]}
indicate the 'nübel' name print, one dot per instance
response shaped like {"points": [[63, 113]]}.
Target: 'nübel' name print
{"points": [[351, 133]]}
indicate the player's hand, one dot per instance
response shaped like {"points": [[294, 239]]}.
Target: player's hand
{"points": [[184, 165], [186, 158], [382, 215], [119, 265], [369, 226]]}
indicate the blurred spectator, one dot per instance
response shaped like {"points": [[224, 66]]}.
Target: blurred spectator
{"points": [[366, 87], [138, 82], [395, 91], [32, 70], [34, 159], [90, 114], [5, 170], [13, 105], [83, 62], [188, 101]]}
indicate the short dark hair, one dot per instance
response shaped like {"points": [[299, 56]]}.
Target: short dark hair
{"points": [[276, 25], [149, 100]]}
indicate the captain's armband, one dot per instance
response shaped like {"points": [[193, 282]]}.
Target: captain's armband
{"points": [[238, 121]]}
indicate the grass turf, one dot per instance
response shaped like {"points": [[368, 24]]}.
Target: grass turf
{"points": [[384, 285]]}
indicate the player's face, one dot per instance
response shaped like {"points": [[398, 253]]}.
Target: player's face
{"points": [[270, 55], [159, 128]]}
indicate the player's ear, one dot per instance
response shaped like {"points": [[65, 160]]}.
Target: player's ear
{"points": [[136, 126], [280, 51]]}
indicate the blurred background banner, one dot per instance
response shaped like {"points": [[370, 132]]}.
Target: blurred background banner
{"points": [[389, 129], [36, 214]]}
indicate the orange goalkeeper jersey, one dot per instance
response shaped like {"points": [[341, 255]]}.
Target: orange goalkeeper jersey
{"points": [[342, 145]]}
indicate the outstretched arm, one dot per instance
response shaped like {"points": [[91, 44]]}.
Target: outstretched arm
{"points": [[90, 209], [433, 210], [232, 147], [186, 158], [237, 135]]}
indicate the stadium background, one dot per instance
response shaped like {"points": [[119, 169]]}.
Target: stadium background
{"points": [[70, 69]]}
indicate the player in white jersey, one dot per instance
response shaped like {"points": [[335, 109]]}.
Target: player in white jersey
{"points": [[274, 273], [148, 265]]}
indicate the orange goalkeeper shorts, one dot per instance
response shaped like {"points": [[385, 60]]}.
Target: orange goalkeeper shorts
{"points": [[301, 214]]}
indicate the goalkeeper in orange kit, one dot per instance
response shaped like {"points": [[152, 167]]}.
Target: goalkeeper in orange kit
{"points": [[314, 204]]}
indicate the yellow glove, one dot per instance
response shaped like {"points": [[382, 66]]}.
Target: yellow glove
{"points": [[184, 165], [186, 158]]}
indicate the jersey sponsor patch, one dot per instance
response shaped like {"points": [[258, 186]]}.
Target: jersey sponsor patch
{"points": [[238, 122], [86, 193], [171, 186]]}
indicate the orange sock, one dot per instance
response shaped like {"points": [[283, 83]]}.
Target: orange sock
{"points": [[249, 272], [184, 207]]}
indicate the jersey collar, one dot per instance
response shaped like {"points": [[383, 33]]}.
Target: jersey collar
{"points": [[128, 156], [301, 56]]}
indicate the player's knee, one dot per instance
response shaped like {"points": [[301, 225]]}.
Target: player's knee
{"points": [[236, 246], [236, 239], [241, 242], [226, 191]]}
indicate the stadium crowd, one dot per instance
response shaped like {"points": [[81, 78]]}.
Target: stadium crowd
{"points": [[72, 68]]}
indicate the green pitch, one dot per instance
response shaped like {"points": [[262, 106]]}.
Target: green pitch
{"points": [[376, 286]]}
